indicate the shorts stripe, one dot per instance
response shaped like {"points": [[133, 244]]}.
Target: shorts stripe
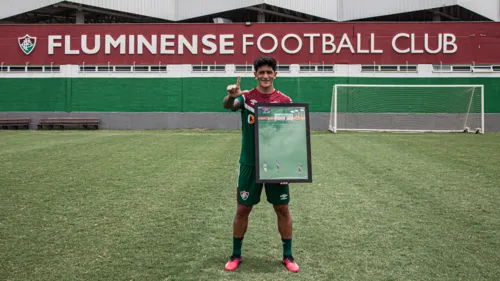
{"points": [[238, 174], [237, 180]]}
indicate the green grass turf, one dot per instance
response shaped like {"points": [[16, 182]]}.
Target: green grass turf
{"points": [[158, 205]]}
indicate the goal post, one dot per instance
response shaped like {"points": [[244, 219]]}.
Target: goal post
{"points": [[407, 108]]}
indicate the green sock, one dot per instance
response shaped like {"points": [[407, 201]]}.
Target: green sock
{"points": [[287, 247], [237, 242]]}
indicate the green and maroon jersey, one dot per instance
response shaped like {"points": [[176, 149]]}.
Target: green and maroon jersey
{"points": [[247, 102]]}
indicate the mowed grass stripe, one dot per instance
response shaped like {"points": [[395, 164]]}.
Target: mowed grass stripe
{"points": [[17, 142], [392, 186], [458, 190], [156, 205], [343, 238], [135, 190]]}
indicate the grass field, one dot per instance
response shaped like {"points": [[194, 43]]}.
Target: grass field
{"points": [[158, 205]]}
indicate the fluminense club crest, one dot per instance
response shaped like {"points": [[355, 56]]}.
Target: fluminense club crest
{"points": [[244, 195], [27, 43]]}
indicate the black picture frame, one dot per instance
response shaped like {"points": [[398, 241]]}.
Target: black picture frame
{"points": [[263, 143]]}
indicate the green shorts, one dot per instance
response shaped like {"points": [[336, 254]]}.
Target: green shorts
{"points": [[248, 191]]}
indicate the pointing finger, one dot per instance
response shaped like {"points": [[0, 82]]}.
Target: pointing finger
{"points": [[238, 82]]}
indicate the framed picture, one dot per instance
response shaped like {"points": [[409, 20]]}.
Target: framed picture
{"points": [[282, 143]]}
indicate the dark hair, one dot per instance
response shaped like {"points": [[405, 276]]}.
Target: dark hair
{"points": [[264, 60]]}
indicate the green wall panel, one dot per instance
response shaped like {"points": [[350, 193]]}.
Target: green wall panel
{"points": [[203, 94], [206, 94], [126, 94], [317, 91], [33, 94]]}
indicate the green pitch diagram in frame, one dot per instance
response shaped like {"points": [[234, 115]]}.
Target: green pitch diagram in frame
{"points": [[282, 140]]}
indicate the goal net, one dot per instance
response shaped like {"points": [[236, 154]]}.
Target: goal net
{"points": [[419, 108]]}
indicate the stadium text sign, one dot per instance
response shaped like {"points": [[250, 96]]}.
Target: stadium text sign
{"points": [[329, 43], [209, 44]]}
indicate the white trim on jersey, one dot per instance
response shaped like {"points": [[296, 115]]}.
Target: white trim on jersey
{"points": [[249, 108]]}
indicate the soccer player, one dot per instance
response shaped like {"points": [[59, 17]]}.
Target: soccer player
{"points": [[248, 191], [265, 166], [300, 169], [278, 165]]}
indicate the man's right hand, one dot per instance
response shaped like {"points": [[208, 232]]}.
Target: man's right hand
{"points": [[234, 90]]}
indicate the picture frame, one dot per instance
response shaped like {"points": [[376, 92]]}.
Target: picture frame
{"points": [[282, 143]]}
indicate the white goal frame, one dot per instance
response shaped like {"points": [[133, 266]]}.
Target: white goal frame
{"points": [[333, 127], [284, 115]]}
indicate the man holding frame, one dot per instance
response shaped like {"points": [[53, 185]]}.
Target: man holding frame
{"points": [[248, 190]]}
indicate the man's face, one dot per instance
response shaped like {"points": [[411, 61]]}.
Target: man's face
{"points": [[265, 75]]}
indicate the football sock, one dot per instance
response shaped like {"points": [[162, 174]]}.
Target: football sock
{"points": [[287, 247], [237, 242]]}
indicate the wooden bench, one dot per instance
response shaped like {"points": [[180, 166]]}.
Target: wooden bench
{"points": [[62, 122], [15, 123]]}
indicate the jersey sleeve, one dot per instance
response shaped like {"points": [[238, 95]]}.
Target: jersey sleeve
{"points": [[241, 101], [286, 99]]}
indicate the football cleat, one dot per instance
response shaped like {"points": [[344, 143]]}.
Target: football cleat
{"points": [[232, 263], [290, 264]]}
